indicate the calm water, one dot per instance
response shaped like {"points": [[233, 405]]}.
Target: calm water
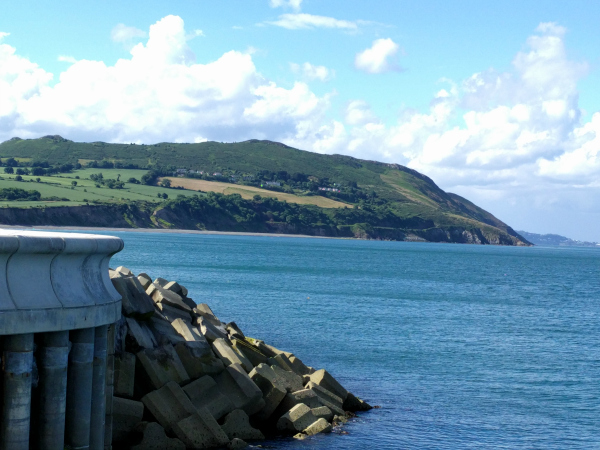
{"points": [[461, 346]]}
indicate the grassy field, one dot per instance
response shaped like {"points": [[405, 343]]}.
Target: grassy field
{"points": [[248, 192]]}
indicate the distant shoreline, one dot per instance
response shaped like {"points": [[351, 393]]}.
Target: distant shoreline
{"points": [[161, 230]]}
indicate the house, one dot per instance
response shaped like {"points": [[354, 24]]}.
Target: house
{"points": [[272, 183]]}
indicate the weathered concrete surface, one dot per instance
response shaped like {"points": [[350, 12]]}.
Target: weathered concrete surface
{"points": [[204, 393], [320, 426], [249, 351], [229, 356], [163, 331], [241, 390], [162, 365], [198, 359], [273, 390], [325, 380], [296, 419], [327, 398], [204, 310], [211, 331], [298, 366], [354, 404], [237, 444], [126, 415], [237, 425], [323, 412], [155, 438], [200, 430], [186, 331], [170, 313], [169, 405], [136, 303], [291, 381], [139, 335], [162, 295], [124, 375]]}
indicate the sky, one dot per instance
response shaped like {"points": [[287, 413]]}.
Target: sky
{"points": [[496, 101]]}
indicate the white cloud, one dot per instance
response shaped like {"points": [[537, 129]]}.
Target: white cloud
{"points": [[126, 36], [312, 72], [358, 112], [67, 59], [308, 21], [379, 57], [294, 4]]}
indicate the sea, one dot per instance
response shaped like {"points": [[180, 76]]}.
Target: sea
{"points": [[459, 346]]}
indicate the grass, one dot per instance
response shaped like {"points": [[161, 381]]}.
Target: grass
{"points": [[247, 192]]}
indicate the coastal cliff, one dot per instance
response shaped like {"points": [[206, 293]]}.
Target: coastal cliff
{"points": [[185, 379]]}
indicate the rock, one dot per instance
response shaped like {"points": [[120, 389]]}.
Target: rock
{"points": [[296, 419], [306, 396], [200, 430], [298, 366], [162, 365], [164, 331], [254, 356], [327, 398], [161, 295], [237, 425], [235, 383], [229, 356], [126, 415], [188, 301], [124, 375], [237, 444], [186, 331], [198, 359], [305, 379], [170, 313], [320, 426], [203, 310], [323, 412], [169, 405], [124, 271], [161, 282], [325, 380], [291, 381], [138, 336], [155, 438], [173, 286], [282, 361], [273, 390], [211, 331], [144, 280], [300, 436], [262, 347], [354, 404], [135, 301], [204, 393], [184, 291], [234, 331]]}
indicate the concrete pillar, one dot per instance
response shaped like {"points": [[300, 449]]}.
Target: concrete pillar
{"points": [[79, 389], [17, 365], [110, 370], [98, 389], [50, 397]]}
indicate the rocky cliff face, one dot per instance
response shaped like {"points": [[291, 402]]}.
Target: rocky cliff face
{"points": [[185, 379]]}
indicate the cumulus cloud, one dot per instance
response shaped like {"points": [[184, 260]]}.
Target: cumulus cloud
{"points": [[309, 21], [294, 4], [67, 59], [312, 72], [123, 34], [379, 57]]}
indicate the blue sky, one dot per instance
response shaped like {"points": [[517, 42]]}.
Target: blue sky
{"points": [[495, 102]]}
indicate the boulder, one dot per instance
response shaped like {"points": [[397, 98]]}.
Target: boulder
{"points": [[235, 383], [200, 430], [161, 282], [323, 412], [169, 405], [126, 415], [198, 359], [237, 444], [124, 271], [135, 301], [138, 336], [162, 295], [155, 438], [234, 331], [320, 426], [170, 313], [173, 286], [325, 380], [164, 331], [254, 356], [262, 347], [186, 331], [203, 310], [211, 331], [354, 404], [124, 375], [229, 356], [290, 380], [273, 390], [298, 367], [188, 301], [162, 365], [237, 425], [144, 280], [282, 361], [184, 291], [306, 396], [296, 419], [204, 393], [327, 398]]}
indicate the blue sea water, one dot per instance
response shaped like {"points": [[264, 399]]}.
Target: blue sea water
{"points": [[461, 346]]}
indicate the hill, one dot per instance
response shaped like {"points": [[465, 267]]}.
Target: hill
{"points": [[400, 198], [555, 240]]}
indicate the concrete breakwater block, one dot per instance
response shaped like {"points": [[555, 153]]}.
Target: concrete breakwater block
{"points": [[200, 383]]}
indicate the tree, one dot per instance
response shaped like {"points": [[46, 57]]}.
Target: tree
{"points": [[73, 183], [9, 169], [18, 178], [165, 182], [133, 181]]}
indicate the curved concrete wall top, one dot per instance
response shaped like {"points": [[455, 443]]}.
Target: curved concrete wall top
{"points": [[56, 281]]}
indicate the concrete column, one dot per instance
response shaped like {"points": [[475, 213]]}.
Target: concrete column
{"points": [[79, 389], [50, 397], [110, 370], [98, 389], [17, 364]]}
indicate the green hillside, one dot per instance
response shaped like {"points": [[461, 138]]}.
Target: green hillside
{"points": [[371, 186]]}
